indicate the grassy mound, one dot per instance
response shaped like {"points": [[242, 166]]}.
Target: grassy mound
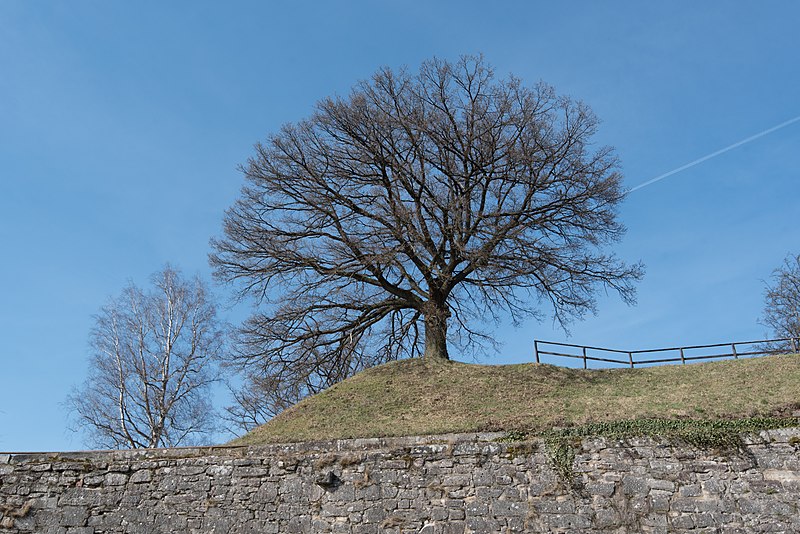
{"points": [[415, 397]]}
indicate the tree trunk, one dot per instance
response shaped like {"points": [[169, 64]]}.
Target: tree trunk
{"points": [[436, 332]]}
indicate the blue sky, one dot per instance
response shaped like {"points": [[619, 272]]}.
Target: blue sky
{"points": [[122, 125]]}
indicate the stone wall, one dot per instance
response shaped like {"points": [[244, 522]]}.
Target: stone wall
{"points": [[444, 484]]}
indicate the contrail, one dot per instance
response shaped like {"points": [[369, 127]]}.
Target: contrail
{"points": [[714, 154]]}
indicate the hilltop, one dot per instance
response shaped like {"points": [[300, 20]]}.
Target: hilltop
{"points": [[416, 397]]}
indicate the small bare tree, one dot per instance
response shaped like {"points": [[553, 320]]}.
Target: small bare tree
{"points": [[154, 358], [410, 214], [782, 305]]}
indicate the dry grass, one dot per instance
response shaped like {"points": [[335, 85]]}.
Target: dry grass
{"points": [[414, 397]]}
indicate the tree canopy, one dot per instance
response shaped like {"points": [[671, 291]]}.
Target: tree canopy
{"points": [[408, 215]]}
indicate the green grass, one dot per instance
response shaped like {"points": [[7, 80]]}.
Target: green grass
{"points": [[414, 397]]}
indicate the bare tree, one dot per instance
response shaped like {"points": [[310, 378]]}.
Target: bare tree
{"points": [[154, 358], [782, 305], [410, 213], [258, 399]]}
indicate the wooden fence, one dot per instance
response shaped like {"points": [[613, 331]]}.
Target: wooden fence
{"points": [[632, 358]]}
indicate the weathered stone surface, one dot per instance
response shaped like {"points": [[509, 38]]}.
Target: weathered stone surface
{"points": [[436, 485]]}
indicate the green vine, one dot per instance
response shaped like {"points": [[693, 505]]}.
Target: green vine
{"points": [[512, 436], [726, 435], [561, 452]]}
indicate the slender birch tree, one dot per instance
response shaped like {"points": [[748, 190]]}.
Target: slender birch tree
{"points": [[154, 356]]}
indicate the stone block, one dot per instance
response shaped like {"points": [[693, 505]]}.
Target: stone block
{"points": [[602, 489], [635, 486], [115, 479], [476, 508], [682, 522], [606, 518], [74, 516], [141, 476], [482, 525], [509, 509]]}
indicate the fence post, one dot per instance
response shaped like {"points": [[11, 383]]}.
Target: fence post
{"points": [[733, 346], [536, 349], [630, 359], [794, 344], [683, 360], [584, 358]]}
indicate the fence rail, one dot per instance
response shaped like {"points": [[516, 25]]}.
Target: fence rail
{"points": [[738, 349]]}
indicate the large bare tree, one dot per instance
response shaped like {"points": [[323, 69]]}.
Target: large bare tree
{"points": [[782, 305], [411, 212], [154, 357]]}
